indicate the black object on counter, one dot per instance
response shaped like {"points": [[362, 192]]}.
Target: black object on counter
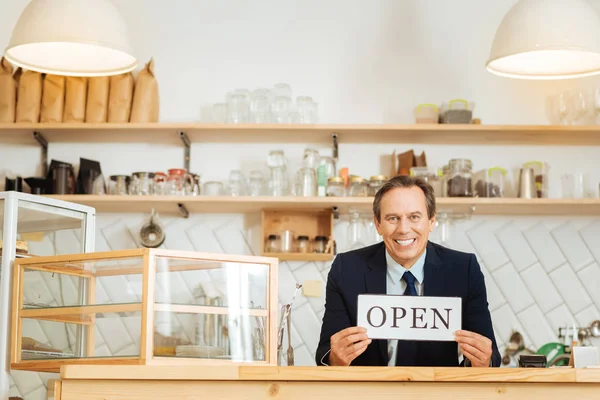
{"points": [[13, 184], [532, 361], [36, 184], [89, 171], [60, 178]]}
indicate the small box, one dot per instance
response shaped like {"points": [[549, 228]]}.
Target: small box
{"points": [[297, 235]]}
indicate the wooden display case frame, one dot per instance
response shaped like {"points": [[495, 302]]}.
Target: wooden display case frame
{"points": [[85, 314]]}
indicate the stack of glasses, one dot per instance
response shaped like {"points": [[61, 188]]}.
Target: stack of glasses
{"points": [[266, 106]]}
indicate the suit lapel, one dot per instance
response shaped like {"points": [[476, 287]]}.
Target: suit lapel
{"points": [[376, 274], [375, 278], [433, 282]]}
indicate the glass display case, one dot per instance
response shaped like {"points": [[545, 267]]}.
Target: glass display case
{"points": [[33, 226], [145, 306]]}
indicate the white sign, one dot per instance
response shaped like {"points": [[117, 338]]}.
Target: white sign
{"points": [[409, 317]]}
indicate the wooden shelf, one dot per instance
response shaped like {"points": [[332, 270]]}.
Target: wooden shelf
{"points": [[168, 133], [300, 256], [234, 205]]}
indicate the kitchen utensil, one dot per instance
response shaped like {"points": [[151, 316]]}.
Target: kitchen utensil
{"points": [[595, 328], [15, 184], [527, 186], [282, 320], [87, 178], [63, 179], [36, 184], [290, 350], [151, 233]]}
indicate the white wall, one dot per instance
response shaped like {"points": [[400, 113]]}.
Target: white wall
{"points": [[364, 62]]}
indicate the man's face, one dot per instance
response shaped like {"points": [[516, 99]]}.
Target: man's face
{"points": [[404, 225]]}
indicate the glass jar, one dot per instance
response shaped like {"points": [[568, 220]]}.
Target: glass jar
{"points": [[306, 182], [375, 183], [256, 185], [444, 178], [302, 244], [160, 184], [119, 184], [141, 183], [358, 187], [355, 231], [272, 244], [311, 159], [335, 187], [319, 244], [460, 182], [177, 181], [430, 177]]}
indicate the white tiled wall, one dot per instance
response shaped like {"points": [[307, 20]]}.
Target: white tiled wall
{"points": [[541, 273]]}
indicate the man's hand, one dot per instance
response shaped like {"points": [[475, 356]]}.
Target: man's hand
{"points": [[348, 344], [477, 348]]}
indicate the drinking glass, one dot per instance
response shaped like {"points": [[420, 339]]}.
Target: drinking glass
{"points": [[257, 183], [281, 109], [220, 113], [260, 106], [238, 109], [237, 183]]}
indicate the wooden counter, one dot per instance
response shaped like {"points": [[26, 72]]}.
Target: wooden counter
{"points": [[316, 383]]}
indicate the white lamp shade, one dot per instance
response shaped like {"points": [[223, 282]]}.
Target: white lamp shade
{"points": [[547, 39], [71, 37]]}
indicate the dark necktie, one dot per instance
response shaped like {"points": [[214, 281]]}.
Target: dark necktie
{"points": [[406, 352], [409, 278]]}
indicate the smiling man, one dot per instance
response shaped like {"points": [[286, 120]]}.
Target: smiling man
{"points": [[406, 263]]}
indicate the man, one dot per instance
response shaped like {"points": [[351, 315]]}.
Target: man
{"points": [[406, 263]]}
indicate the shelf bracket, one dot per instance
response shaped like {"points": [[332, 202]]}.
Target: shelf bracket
{"points": [[44, 143], [334, 139], [187, 151], [183, 211], [336, 212]]}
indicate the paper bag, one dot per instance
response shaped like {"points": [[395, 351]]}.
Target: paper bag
{"points": [[75, 98], [53, 98], [120, 97], [29, 96], [97, 99], [8, 92], [145, 98]]}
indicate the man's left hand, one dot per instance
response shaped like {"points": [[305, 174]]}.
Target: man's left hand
{"points": [[477, 348]]}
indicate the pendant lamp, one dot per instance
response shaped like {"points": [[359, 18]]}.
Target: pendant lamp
{"points": [[71, 37], [547, 39]]}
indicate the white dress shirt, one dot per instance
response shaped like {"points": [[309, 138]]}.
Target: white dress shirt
{"points": [[395, 285]]}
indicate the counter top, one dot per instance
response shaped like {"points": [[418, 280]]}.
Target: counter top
{"points": [[328, 374]]}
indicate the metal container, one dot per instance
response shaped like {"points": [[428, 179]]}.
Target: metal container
{"points": [[527, 186]]}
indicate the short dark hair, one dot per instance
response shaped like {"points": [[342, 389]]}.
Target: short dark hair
{"points": [[403, 181]]}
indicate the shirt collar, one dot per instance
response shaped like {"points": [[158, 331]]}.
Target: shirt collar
{"points": [[395, 270]]}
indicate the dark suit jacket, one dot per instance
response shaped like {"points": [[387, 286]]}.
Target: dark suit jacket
{"points": [[448, 273]]}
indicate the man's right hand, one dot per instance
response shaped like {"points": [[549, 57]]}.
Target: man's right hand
{"points": [[348, 344]]}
